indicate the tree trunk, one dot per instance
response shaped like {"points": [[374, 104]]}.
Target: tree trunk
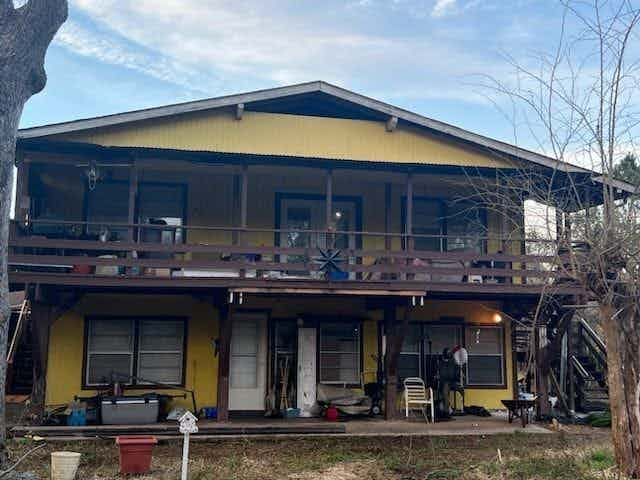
{"points": [[395, 338], [25, 35], [623, 366], [8, 128]]}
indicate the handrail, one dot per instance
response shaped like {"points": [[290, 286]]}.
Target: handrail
{"points": [[125, 225], [580, 368], [593, 335], [39, 242]]}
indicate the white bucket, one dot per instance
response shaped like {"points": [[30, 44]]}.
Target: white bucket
{"points": [[64, 465]]}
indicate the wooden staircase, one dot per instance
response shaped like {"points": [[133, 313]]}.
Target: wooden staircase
{"points": [[20, 353], [590, 366]]}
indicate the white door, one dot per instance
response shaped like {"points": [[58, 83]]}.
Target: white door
{"points": [[306, 370], [248, 363]]}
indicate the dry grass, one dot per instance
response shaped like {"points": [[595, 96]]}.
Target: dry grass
{"points": [[552, 457]]}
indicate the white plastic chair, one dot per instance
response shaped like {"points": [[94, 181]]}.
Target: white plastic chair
{"points": [[415, 397]]}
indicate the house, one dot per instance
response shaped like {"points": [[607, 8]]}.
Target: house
{"points": [[275, 240]]}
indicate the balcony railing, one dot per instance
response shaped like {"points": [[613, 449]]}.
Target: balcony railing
{"points": [[215, 255]]}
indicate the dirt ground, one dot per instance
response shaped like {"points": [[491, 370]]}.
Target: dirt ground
{"points": [[579, 454]]}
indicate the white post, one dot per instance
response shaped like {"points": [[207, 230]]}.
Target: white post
{"points": [[185, 457], [187, 427]]}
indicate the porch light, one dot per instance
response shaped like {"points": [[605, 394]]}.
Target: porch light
{"points": [[497, 317], [338, 214]]}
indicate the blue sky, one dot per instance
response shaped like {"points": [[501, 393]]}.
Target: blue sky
{"points": [[423, 55]]}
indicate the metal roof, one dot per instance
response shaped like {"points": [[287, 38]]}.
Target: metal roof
{"points": [[282, 93]]}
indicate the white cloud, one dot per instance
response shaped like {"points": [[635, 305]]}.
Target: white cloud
{"points": [[109, 50], [248, 44], [443, 7]]}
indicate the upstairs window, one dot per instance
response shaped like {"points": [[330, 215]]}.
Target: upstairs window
{"points": [[466, 226]]}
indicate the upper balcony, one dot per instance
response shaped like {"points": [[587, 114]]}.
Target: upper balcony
{"points": [[269, 229]]}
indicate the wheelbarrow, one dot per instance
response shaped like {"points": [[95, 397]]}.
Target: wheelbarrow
{"points": [[519, 409]]}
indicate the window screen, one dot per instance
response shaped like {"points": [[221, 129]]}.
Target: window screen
{"points": [[160, 351], [108, 203], [340, 353], [427, 220], [466, 226], [160, 204], [409, 362], [485, 348], [110, 351], [114, 354]]}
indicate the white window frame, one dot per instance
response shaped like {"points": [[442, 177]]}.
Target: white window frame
{"points": [[90, 352], [357, 353], [500, 329]]}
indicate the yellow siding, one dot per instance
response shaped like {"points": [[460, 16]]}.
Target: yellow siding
{"points": [[293, 135], [480, 314], [66, 350], [66, 344]]}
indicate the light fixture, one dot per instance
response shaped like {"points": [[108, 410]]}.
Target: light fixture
{"points": [[497, 317], [338, 214]]}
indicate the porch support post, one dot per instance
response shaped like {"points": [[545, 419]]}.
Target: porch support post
{"points": [[395, 334], [224, 352], [409, 219], [23, 201], [329, 199], [244, 195], [387, 217], [133, 194], [40, 326]]}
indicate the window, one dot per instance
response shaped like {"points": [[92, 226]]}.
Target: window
{"points": [[161, 204], [486, 355], [160, 351], [427, 220], [108, 203], [466, 226], [409, 362], [340, 353], [134, 351], [110, 351]]}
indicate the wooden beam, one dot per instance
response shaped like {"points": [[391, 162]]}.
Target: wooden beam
{"points": [[329, 200], [395, 333], [224, 359], [409, 214], [244, 195], [133, 195], [388, 215], [239, 111], [23, 199], [392, 124], [40, 327]]}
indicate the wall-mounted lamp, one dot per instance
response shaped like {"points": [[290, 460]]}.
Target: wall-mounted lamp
{"points": [[497, 318]]}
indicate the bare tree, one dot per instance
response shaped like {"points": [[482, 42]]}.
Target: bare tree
{"points": [[580, 103], [25, 35]]}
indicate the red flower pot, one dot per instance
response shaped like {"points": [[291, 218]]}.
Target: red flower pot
{"points": [[332, 414], [135, 453]]}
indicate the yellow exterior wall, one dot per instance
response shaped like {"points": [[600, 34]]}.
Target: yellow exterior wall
{"points": [[474, 313], [66, 347], [292, 135], [66, 343]]}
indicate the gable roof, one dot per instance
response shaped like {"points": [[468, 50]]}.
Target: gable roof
{"points": [[335, 101]]}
